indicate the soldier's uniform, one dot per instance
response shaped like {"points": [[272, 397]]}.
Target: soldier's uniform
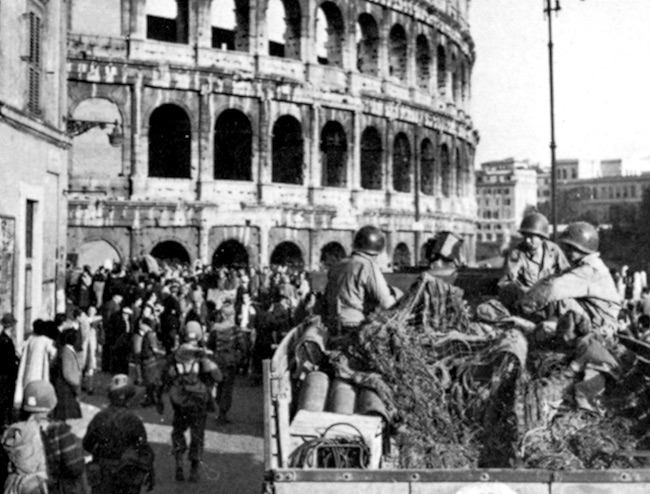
{"points": [[189, 375]]}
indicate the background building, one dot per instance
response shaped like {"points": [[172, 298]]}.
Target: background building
{"points": [[33, 159], [505, 190], [247, 131]]}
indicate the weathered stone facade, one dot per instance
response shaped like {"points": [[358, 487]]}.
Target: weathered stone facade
{"points": [[239, 141]]}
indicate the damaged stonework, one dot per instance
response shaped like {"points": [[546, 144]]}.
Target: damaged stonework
{"points": [[271, 132]]}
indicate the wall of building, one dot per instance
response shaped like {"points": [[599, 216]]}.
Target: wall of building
{"points": [[33, 160], [315, 195]]}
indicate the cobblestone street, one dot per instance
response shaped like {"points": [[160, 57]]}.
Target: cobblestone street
{"points": [[234, 453]]}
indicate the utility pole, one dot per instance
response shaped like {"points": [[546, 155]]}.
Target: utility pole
{"points": [[549, 10]]}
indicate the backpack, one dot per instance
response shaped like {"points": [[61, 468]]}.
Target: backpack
{"points": [[23, 444], [187, 388]]}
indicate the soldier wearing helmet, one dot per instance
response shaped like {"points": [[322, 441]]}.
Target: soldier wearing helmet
{"points": [[356, 285], [535, 258], [585, 303]]}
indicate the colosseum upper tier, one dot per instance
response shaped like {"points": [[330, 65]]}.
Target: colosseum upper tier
{"points": [[267, 131]]}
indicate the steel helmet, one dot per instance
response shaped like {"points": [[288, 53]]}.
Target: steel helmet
{"points": [[39, 396], [370, 239], [534, 224], [582, 236], [121, 388]]}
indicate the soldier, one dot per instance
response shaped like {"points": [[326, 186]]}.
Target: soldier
{"points": [[122, 458], [535, 258], [356, 285], [189, 375], [586, 301]]}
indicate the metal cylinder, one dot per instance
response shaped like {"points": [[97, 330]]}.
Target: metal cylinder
{"points": [[313, 392], [369, 403], [342, 397]]}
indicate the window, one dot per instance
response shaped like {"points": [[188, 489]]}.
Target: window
{"points": [[34, 64], [30, 210]]}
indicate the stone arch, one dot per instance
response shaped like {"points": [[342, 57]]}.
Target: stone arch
{"points": [[401, 163], [334, 154], [168, 20], [401, 256], [427, 167], [95, 151], [170, 137], [95, 253], [397, 52], [233, 146], [367, 45], [288, 151], [230, 24], [283, 18], [288, 254], [422, 62], [230, 253], [441, 68], [371, 159], [445, 171], [330, 254], [170, 250], [330, 34]]}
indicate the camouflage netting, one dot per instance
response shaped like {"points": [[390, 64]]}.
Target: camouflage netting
{"points": [[464, 395]]}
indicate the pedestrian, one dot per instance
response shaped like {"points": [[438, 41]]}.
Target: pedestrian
{"points": [[225, 341], [123, 460], [8, 368], [146, 352], [189, 375], [39, 352], [109, 320], [66, 377], [88, 328], [44, 455]]}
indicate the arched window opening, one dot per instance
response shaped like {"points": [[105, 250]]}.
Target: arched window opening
{"points": [[401, 163], [455, 77], [397, 53], [401, 257], [464, 87], [427, 167], [331, 254], [170, 137], [441, 68], [287, 254], [422, 61], [233, 146], [171, 251], [287, 151], [371, 160], [283, 22], [167, 20], [445, 171], [329, 35], [230, 25], [334, 155], [367, 45], [230, 254], [97, 152], [97, 253]]}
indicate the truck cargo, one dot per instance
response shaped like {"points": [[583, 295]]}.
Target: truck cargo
{"points": [[316, 442]]}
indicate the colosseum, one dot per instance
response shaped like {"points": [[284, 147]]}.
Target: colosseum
{"points": [[267, 131]]}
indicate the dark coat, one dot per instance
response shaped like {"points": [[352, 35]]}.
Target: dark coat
{"points": [[66, 378]]}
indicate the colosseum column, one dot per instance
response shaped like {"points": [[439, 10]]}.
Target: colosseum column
{"points": [[354, 176], [411, 79], [265, 159], [265, 231], [206, 110], [258, 26], [204, 24], [382, 51], [314, 169], [139, 162], [204, 236], [138, 29]]}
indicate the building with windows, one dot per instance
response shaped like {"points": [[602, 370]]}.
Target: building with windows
{"points": [[33, 159], [256, 132], [505, 189]]}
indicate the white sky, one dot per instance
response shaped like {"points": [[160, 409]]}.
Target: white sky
{"points": [[602, 79]]}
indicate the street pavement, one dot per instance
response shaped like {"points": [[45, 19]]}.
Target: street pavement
{"points": [[233, 461]]}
